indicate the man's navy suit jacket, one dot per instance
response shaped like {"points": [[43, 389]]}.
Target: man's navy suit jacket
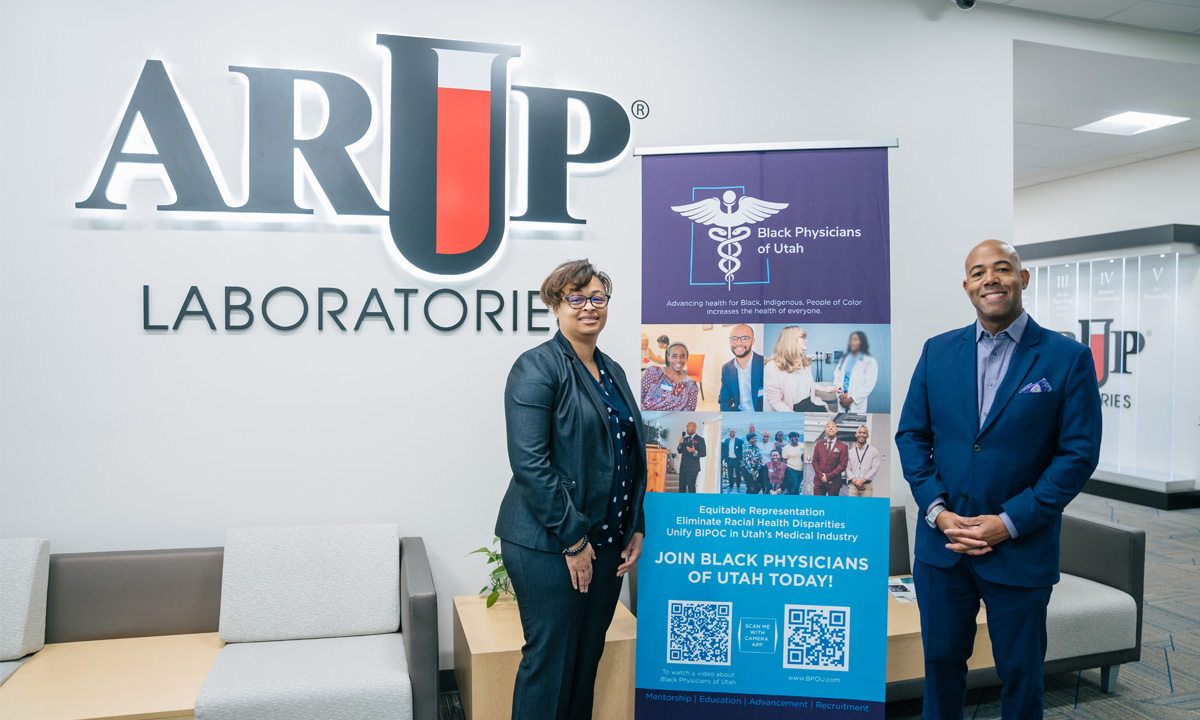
{"points": [[1032, 456], [739, 447], [731, 393], [688, 461]]}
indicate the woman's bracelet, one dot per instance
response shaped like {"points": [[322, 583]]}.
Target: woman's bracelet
{"points": [[573, 552]]}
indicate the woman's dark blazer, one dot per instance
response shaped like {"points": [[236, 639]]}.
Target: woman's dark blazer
{"points": [[560, 450]]}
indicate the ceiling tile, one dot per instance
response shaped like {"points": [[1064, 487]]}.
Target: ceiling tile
{"points": [[1053, 158], [1160, 16], [1109, 83], [1187, 3], [1188, 131], [1061, 140], [1052, 175], [1087, 9], [1067, 116], [1172, 149], [1057, 88], [1024, 107], [1024, 172], [1109, 162], [1122, 145], [1025, 133]]}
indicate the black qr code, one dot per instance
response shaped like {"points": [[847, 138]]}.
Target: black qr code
{"points": [[816, 638], [699, 633]]}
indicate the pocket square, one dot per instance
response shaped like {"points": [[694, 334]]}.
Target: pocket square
{"points": [[1040, 386]]}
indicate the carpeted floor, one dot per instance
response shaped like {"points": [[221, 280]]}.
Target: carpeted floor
{"points": [[1164, 685]]}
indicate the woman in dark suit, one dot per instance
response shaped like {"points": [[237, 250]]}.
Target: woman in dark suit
{"points": [[571, 523]]}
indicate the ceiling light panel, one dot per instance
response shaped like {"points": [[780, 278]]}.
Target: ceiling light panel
{"points": [[1131, 123]]}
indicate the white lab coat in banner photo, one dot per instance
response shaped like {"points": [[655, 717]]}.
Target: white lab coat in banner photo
{"points": [[863, 375]]}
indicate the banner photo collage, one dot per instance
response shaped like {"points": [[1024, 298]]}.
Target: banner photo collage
{"points": [[766, 391]]}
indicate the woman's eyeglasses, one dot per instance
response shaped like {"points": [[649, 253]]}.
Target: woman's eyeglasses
{"points": [[578, 301]]}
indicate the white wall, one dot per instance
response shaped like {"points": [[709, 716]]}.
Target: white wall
{"points": [[1154, 192], [112, 438]]}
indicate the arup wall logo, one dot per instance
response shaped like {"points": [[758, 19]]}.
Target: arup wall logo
{"points": [[1107, 356], [1110, 354], [447, 205], [730, 230]]}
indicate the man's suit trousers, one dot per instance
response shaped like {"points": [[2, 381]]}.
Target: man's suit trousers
{"points": [[949, 602]]}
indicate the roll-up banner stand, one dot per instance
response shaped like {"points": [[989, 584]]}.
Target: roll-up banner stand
{"points": [[765, 313]]}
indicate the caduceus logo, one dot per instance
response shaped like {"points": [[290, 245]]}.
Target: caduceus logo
{"points": [[730, 230]]}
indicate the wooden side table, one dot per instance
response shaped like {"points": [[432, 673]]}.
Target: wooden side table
{"points": [[142, 678], [906, 658], [487, 651]]}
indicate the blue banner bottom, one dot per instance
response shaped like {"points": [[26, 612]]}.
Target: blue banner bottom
{"points": [[691, 705]]}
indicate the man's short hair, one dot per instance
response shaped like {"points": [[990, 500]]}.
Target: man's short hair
{"points": [[793, 435]]}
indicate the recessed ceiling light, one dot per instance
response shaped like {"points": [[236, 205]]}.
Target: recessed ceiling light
{"points": [[1131, 123]]}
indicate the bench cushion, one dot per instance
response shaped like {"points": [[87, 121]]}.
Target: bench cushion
{"points": [[289, 583], [24, 573], [345, 678], [1085, 618], [8, 667]]}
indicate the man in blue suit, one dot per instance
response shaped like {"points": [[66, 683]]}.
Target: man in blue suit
{"points": [[731, 457], [742, 377], [999, 432]]}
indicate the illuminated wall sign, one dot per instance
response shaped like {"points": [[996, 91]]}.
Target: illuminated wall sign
{"points": [[447, 208], [332, 309], [1127, 310], [1110, 348]]}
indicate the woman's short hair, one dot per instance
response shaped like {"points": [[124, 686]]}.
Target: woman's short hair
{"points": [[667, 353], [570, 276], [787, 355]]}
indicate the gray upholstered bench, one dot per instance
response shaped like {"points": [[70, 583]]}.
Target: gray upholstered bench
{"points": [[310, 617], [134, 594], [1094, 619], [24, 571]]}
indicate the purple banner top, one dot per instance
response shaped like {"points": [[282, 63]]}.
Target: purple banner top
{"points": [[766, 237]]}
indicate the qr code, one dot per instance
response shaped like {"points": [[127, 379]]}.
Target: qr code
{"points": [[699, 633], [816, 638]]}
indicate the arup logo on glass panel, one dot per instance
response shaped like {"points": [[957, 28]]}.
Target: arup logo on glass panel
{"points": [[730, 228], [448, 129], [1107, 355]]}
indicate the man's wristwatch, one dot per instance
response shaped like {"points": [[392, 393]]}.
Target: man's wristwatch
{"points": [[932, 517]]}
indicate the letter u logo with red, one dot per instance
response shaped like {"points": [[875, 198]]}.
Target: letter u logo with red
{"points": [[1097, 342], [449, 117]]}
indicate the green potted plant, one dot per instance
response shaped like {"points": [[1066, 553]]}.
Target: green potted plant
{"points": [[498, 578]]}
